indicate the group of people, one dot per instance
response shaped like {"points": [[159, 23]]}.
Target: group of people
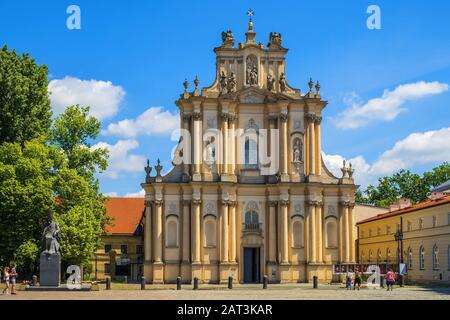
{"points": [[357, 280], [10, 276]]}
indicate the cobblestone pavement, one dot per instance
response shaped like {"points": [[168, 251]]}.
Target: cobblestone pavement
{"points": [[240, 292]]}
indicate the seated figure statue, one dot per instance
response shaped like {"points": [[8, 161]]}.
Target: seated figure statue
{"points": [[51, 236]]}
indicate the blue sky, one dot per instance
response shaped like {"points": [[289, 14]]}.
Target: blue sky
{"points": [[131, 56]]}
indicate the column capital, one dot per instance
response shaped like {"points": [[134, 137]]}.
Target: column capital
{"points": [[225, 202], [148, 203], [197, 116], [232, 117], [319, 204], [317, 119], [283, 116], [159, 202], [311, 117], [196, 201], [284, 203], [232, 203], [224, 116], [273, 203], [313, 203], [186, 116], [347, 204]]}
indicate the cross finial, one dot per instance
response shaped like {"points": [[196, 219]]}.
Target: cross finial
{"points": [[250, 13]]}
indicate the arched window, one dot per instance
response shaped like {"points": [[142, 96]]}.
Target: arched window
{"points": [[331, 227], [210, 231], [297, 233], [172, 232], [379, 256], [422, 258], [435, 258], [410, 258], [251, 153], [370, 256], [363, 256], [388, 255], [251, 220]]}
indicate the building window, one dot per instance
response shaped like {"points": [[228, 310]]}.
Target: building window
{"points": [[107, 268], [435, 258], [251, 220], [422, 258], [362, 234], [107, 248], [139, 249], [370, 232], [331, 234], [363, 256], [388, 255], [370, 256], [410, 259], [409, 226], [251, 154], [210, 231], [124, 249], [172, 232], [379, 256], [435, 222], [421, 223], [297, 233]]}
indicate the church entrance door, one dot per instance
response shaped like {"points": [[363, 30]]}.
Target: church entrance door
{"points": [[251, 265]]}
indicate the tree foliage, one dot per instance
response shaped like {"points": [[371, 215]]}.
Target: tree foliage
{"points": [[405, 184], [25, 112]]}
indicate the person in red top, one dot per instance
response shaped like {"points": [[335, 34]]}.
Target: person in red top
{"points": [[390, 279]]}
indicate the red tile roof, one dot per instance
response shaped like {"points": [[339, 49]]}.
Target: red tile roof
{"points": [[126, 214], [415, 207]]}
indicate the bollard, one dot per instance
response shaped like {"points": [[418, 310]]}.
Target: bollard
{"points": [[125, 279], [34, 281], [315, 279], [195, 283], [265, 282], [142, 283], [108, 283], [178, 283], [230, 282]]}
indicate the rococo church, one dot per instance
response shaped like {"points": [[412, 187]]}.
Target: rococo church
{"points": [[249, 194]]}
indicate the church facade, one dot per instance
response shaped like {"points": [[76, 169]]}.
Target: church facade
{"points": [[249, 194]]}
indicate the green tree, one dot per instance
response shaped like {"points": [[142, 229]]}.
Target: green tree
{"points": [[438, 175], [25, 111]]}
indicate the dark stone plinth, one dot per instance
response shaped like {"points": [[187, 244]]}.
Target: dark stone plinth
{"points": [[50, 270], [84, 287]]}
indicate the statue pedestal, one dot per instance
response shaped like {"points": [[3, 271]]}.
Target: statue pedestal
{"points": [[50, 270]]}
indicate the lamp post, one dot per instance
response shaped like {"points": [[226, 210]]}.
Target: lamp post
{"points": [[399, 238]]}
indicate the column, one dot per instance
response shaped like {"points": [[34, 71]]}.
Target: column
{"points": [[148, 231], [186, 229], [318, 151], [311, 144], [319, 232], [312, 228], [341, 234], [351, 221], [225, 156], [232, 142], [158, 231], [186, 126], [285, 231], [284, 144], [272, 231], [346, 234], [224, 240], [232, 212], [195, 234], [197, 142]]}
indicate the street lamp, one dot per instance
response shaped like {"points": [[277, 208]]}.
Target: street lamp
{"points": [[399, 238]]}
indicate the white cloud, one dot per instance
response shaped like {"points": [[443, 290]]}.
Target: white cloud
{"points": [[103, 97], [420, 148], [154, 121], [111, 194], [140, 194], [119, 158], [388, 106]]}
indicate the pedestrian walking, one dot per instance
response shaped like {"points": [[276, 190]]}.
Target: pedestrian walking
{"points": [[348, 280], [6, 279], [390, 279], [358, 280], [12, 278]]}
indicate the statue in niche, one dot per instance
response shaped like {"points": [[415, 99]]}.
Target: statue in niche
{"points": [[252, 72], [270, 82], [297, 150], [223, 83], [282, 82], [232, 83], [210, 152]]}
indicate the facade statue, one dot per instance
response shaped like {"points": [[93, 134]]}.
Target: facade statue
{"points": [[232, 83], [227, 39], [252, 72], [51, 236], [223, 83], [282, 82], [270, 82], [298, 151], [274, 40]]}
